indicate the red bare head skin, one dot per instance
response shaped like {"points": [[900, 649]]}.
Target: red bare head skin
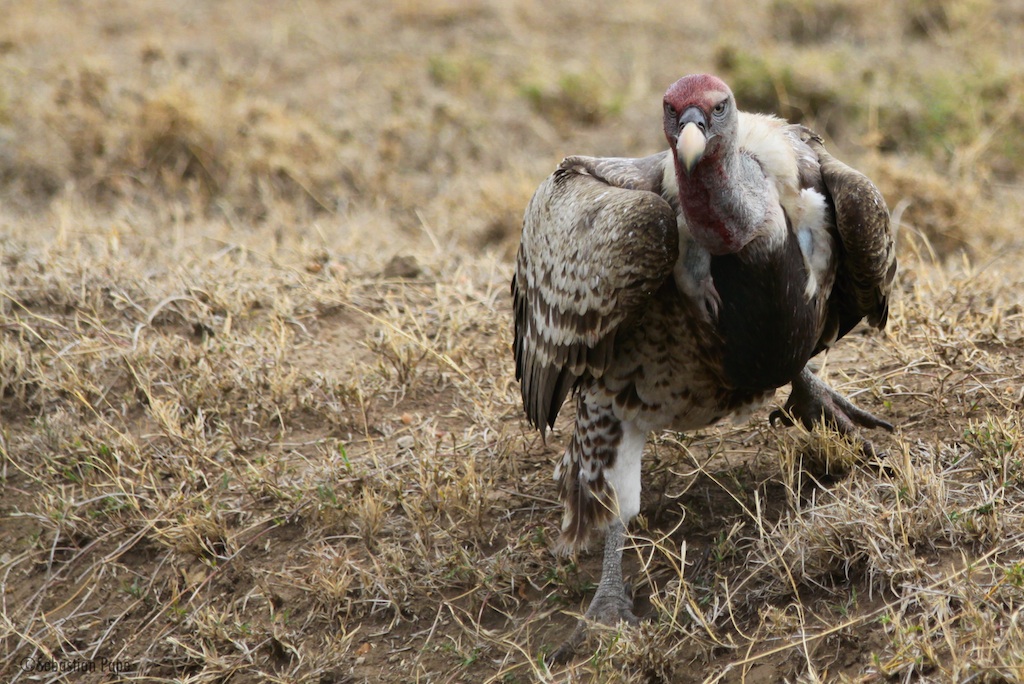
{"points": [[700, 120], [703, 91]]}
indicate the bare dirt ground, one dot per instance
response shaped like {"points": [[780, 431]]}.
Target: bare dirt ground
{"points": [[259, 420]]}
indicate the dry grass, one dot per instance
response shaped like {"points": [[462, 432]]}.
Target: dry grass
{"points": [[258, 414]]}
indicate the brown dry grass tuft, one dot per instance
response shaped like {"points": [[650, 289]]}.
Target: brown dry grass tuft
{"points": [[257, 413]]}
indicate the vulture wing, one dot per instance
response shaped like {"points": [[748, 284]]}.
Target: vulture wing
{"points": [[868, 262], [598, 240]]}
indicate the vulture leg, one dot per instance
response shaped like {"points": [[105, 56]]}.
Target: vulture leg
{"points": [[600, 485], [612, 602], [812, 401]]}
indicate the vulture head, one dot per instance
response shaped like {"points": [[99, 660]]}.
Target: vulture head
{"points": [[722, 197], [700, 120]]}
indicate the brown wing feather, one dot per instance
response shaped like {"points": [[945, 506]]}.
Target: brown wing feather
{"points": [[868, 264], [591, 255]]}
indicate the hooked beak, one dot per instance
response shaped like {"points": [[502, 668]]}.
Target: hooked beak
{"points": [[693, 138], [691, 146]]}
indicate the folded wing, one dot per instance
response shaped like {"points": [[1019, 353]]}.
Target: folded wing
{"points": [[598, 241]]}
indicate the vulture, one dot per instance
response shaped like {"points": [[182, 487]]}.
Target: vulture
{"points": [[671, 291]]}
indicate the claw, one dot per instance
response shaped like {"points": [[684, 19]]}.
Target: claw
{"points": [[812, 401], [781, 417], [564, 653], [712, 300]]}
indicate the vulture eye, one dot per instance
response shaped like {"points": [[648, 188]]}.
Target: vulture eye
{"points": [[670, 111], [720, 107]]}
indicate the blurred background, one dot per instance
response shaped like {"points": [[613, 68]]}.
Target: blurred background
{"points": [[430, 122]]}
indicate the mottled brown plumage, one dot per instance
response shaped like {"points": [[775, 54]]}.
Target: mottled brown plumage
{"points": [[674, 290], [594, 252]]}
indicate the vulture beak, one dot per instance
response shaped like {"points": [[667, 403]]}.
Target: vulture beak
{"points": [[692, 138]]}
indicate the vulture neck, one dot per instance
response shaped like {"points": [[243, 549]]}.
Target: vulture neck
{"points": [[727, 200]]}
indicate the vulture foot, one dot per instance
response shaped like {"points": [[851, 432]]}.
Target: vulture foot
{"points": [[613, 601], [812, 401], [712, 300], [607, 608]]}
